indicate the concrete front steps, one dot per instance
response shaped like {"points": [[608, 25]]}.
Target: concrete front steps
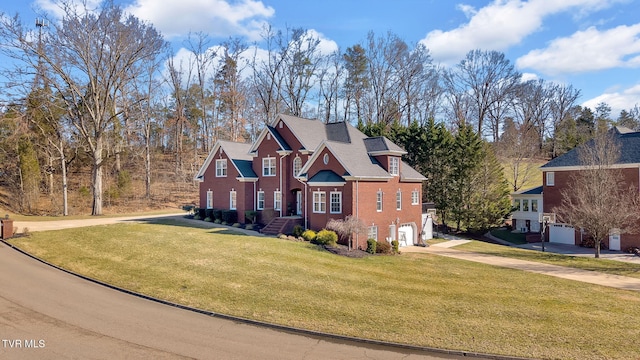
{"points": [[281, 225]]}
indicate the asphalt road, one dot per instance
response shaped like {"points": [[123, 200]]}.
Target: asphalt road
{"points": [[46, 313]]}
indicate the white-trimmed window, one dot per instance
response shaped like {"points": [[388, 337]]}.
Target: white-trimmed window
{"points": [[394, 166], [297, 166], [516, 204], [534, 205], [415, 197], [209, 199], [233, 200], [336, 202], [260, 198], [268, 166], [373, 233], [551, 178], [221, 167], [319, 202], [277, 200], [399, 200], [525, 204], [379, 201]]}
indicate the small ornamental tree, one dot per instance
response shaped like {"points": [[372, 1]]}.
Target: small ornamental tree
{"points": [[347, 227]]}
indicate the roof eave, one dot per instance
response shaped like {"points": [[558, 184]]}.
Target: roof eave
{"points": [[583, 167]]}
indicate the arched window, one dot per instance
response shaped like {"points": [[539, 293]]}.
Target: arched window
{"points": [[297, 166]]}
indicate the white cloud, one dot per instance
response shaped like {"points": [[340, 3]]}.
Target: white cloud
{"points": [[624, 100], [499, 25], [529, 76], [218, 18], [587, 50], [56, 9], [326, 46]]}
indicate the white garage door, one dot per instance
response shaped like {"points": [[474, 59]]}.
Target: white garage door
{"points": [[405, 234], [562, 234]]}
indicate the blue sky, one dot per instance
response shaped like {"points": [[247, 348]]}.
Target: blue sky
{"points": [[592, 44]]}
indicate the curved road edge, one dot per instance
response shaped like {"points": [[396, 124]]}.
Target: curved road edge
{"points": [[347, 340]]}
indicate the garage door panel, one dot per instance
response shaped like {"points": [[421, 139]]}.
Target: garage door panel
{"points": [[562, 234]]}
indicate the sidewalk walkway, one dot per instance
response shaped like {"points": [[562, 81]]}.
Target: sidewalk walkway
{"points": [[592, 277]]}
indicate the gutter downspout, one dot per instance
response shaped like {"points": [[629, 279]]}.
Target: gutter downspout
{"points": [[304, 209], [281, 192], [357, 211]]}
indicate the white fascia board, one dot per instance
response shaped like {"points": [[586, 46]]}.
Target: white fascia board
{"points": [[582, 167]]}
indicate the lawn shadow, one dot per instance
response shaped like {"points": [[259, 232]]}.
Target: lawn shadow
{"points": [[190, 223]]}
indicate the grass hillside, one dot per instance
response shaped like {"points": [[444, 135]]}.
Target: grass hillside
{"points": [[528, 172], [418, 299]]}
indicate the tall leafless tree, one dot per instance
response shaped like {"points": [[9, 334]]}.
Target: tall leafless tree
{"points": [[89, 55], [203, 55], [485, 78], [563, 99]]}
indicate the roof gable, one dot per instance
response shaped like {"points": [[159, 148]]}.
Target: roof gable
{"points": [[270, 131], [238, 153], [310, 133]]}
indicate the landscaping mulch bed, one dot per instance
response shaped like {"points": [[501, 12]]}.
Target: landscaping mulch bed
{"points": [[343, 250]]}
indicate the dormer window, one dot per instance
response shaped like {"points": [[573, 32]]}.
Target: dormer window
{"points": [[394, 166]]}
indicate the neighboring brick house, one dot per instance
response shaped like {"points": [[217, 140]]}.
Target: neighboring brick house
{"points": [[307, 171], [557, 176]]}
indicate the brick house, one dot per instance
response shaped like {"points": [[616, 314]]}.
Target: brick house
{"points": [[308, 172], [557, 176]]}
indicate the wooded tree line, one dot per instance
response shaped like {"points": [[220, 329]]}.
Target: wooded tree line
{"points": [[102, 87]]}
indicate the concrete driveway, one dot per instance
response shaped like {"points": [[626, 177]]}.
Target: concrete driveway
{"points": [[46, 313], [574, 250]]}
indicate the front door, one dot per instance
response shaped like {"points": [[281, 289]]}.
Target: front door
{"points": [[299, 202]]}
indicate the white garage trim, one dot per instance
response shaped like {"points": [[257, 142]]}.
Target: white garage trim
{"points": [[407, 234]]}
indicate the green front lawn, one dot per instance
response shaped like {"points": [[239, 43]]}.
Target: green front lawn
{"points": [[506, 235], [420, 299]]}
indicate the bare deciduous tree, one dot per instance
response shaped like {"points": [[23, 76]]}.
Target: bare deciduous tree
{"points": [[599, 200], [517, 147], [89, 55], [347, 227], [485, 78]]}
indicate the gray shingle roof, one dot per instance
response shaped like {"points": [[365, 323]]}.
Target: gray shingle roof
{"points": [[310, 133], [355, 157], [239, 155], [629, 142], [407, 173], [338, 132], [350, 146], [382, 144]]}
